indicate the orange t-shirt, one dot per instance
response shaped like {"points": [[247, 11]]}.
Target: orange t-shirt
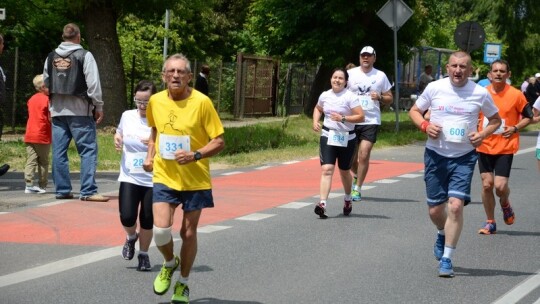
{"points": [[510, 102], [38, 126]]}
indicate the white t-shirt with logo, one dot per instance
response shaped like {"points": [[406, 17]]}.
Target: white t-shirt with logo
{"points": [[342, 103], [536, 105], [134, 129], [456, 109], [362, 84]]}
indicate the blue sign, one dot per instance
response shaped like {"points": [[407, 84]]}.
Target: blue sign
{"points": [[492, 52]]}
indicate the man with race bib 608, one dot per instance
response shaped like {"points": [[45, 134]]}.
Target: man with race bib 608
{"points": [[455, 103], [373, 88]]}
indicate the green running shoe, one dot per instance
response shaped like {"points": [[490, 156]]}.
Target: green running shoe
{"points": [[163, 280], [356, 196], [181, 294]]}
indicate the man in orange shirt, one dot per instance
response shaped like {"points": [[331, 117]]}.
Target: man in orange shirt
{"points": [[496, 152]]}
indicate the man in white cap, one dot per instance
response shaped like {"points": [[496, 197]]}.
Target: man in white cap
{"points": [[373, 88]]}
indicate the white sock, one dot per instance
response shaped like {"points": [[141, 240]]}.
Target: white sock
{"points": [[347, 197], [441, 232], [448, 251], [183, 280], [323, 203], [170, 263], [132, 237], [357, 188]]}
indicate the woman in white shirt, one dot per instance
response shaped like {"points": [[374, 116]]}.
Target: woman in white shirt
{"points": [[341, 109], [135, 194]]}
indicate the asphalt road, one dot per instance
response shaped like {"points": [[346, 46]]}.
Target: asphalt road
{"points": [[263, 243]]}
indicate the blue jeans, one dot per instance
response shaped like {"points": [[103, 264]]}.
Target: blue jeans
{"points": [[82, 129]]}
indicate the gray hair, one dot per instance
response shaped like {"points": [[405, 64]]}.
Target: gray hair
{"points": [[177, 56]]}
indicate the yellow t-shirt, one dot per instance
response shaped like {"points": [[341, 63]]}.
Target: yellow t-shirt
{"points": [[193, 119], [511, 103]]}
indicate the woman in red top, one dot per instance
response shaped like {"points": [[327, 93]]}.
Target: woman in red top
{"points": [[37, 138]]}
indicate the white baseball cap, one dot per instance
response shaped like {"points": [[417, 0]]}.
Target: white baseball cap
{"points": [[369, 50], [537, 75]]}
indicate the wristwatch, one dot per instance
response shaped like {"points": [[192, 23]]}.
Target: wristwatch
{"points": [[343, 118], [197, 155], [516, 129]]}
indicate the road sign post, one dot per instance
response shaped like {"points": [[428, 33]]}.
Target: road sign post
{"points": [[395, 13]]}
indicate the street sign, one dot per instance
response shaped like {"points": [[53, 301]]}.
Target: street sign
{"points": [[469, 36], [492, 52], [2, 14], [403, 13]]}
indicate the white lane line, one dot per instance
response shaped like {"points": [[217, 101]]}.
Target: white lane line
{"points": [[410, 175], [294, 205], [58, 266], [386, 181], [291, 162], [232, 173], [331, 195], [255, 217], [521, 290], [523, 151], [74, 262], [263, 167], [212, 228], [367, 187], [53, 203]]}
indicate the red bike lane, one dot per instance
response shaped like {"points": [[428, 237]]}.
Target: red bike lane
{"points": [[97, 224]]}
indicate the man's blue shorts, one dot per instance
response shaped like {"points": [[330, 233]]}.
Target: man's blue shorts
{"points": [[448, 177], [190, 200]]}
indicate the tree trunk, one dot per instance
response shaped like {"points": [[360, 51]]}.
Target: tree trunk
{"points": [[320, 84], [100, 33]]}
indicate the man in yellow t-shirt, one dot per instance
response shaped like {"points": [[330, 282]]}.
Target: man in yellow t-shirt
{"points": [[496, 152], [186, 131]]}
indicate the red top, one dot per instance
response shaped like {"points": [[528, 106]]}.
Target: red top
{"points": [[38, 127]]}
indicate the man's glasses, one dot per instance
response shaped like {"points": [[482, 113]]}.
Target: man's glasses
{"points": [[181, 72]]}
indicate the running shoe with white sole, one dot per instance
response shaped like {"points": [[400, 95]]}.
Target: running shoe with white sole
{"points": [[163, 280]]}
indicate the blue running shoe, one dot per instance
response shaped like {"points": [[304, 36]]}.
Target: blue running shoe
{"points": [[445, 268], [438, 248], [356, 196]]}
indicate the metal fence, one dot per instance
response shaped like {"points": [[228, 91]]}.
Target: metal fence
{"points": [[270, 88]]}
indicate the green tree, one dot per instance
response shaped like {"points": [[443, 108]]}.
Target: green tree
{"points": [[329, 33]]}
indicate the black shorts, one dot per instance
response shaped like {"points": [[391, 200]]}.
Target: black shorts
{"points": [[366, 132], [344, 155], [499, 164]]}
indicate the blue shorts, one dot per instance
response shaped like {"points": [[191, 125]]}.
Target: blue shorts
{"points": [[190, 200], [448, 177]]}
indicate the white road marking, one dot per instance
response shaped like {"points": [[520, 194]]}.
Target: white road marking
{"points": [[520, 291], [410, 175], [386, 181], [263, 167], [291, 162], [527, 150], [255, 217], [212, 228], [232, 173], [295, 205]]}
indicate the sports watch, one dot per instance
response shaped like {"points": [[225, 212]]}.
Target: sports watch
{"points": [[197, 155]]}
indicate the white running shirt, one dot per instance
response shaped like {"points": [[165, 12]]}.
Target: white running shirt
{"points": [[536, 105], [362, 84], [133, 128], [342, 103], [455, 108]]}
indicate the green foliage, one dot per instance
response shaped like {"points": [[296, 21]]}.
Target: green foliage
{"points": [[260, 137]]}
